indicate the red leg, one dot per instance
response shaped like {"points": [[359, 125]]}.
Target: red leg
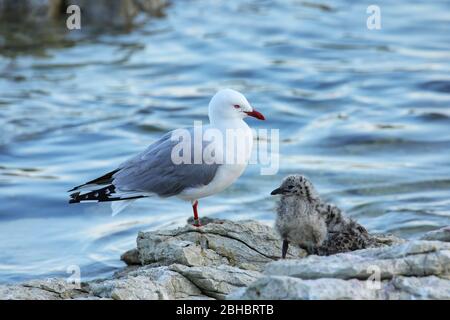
{"points": [[196, 220]]}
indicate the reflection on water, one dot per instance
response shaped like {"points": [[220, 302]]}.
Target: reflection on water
{"points": [[365, 114]]}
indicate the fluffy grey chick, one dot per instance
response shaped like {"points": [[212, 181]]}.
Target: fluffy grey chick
{"points": [[305, 220], [298, 220]]}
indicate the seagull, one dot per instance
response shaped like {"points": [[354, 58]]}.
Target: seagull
{"points": [[314, 225], [155, 173]]}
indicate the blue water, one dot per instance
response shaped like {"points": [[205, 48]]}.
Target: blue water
{"points": [[364, 113]]}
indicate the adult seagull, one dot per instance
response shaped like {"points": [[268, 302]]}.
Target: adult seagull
{"points": [[154, 171]]}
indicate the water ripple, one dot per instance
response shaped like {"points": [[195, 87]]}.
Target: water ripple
{"points": [[364, 113]]}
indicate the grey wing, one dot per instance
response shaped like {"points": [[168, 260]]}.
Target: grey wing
{"points": [[153, 171]]}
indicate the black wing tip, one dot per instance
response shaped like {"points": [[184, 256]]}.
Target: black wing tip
{"points": [[103, 180], [74, 197], [100, 195]]}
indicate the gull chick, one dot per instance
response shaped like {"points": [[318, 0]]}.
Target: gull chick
{"points": [[315, 226]]}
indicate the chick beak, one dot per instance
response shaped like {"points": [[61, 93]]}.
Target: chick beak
{"points": [[277, 191]]}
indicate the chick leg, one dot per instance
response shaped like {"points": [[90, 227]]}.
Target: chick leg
{"points": [[284, 249]]}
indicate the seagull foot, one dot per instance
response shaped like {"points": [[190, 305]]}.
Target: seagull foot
{"points": [[197, 223]]}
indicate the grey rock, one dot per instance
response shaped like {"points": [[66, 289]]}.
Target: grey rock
{"points": [[247, 245], [217, 282], [431, 287], [45, 289], [289, 288], [415, 258], [158, 283], [131, 257], [411, 270], [206, 220], [442, 234], [226, 259]]}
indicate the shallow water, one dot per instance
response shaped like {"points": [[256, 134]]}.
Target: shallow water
{"points": [[364, 113]]}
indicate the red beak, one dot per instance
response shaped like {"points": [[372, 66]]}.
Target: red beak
{"points": [[256, 114]]}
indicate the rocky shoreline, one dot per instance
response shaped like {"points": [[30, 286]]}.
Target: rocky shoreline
{"points": [[240, 260]]}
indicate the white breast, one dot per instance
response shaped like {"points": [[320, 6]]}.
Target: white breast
{"points": [[226, 173], [225, 176]]}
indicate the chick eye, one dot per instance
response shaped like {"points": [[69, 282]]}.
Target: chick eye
{"points": [[290, 187], [236, 106]]}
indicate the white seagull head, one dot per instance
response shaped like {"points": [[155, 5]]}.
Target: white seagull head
{"points": [[228, 104]]}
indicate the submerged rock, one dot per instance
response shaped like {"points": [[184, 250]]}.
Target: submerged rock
{"points": [[240, 260]]}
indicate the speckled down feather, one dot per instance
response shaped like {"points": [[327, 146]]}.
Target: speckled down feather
{"points": [[303, 219]]}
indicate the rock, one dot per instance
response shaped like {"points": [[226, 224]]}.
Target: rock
{"points": [[131, 257], [442, 234], [430, 287], [206, 220], [289, 288], [20, 292], [217, 282], [247, 245], [412, 270], [415, 258], [239, 260], [158, 283], [46, 289]]}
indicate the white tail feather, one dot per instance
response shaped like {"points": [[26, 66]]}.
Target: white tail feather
{"points": [[118, 206]]}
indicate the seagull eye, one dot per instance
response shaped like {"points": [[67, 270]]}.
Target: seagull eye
{"points": [[236, 106], [290, 187]]}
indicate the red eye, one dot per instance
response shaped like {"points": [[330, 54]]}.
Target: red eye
{"points": [[236, 106]]}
